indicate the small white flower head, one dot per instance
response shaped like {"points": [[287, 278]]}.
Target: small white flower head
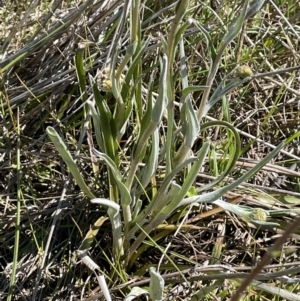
{"points": [[258, 214], [104, 80], [244, 72]]}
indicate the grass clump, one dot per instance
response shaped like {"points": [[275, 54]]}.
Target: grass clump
{"points": [[153, 113]]}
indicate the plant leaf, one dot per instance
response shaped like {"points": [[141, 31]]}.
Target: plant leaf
{"points": [[97, 126], [66, 156], [214, 195], [125, 195], [113, 212], [108, 128], [255, 6], [89, 238], [169, 209], [152, 160], [104, 287], [235, 27], [135, 292], [157, 285], [161, 102]]}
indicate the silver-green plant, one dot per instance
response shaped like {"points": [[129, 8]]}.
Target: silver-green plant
{"points": [[129, 205]]}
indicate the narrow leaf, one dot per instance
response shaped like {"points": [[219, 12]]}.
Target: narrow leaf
{"points": [[214, 195], [90, 236], [104, 287], [152, 162], [191, 89], [125, 195], [97, 126], [116, 174], [157, 285], [161, 102], [113, 212], [255, 7], [135, 292], [107, 123], [66, 156], [86, 259], [80, 71], [235, 27]]}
